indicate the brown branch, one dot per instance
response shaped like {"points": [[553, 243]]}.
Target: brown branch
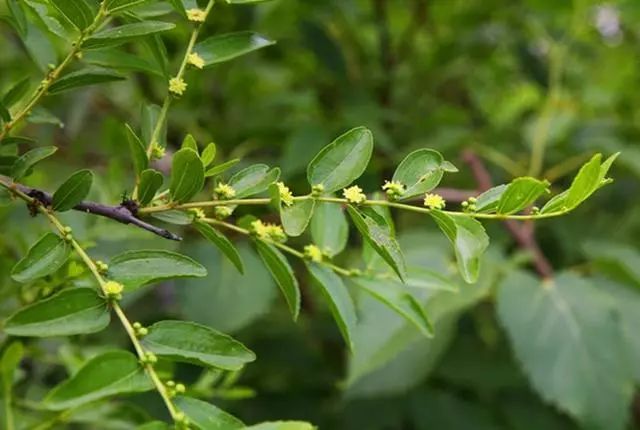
{"points": [[523, 233], [125, 213]]}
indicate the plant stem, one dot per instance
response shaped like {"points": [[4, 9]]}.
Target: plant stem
{"points": [[55, 73], [86, 259]]}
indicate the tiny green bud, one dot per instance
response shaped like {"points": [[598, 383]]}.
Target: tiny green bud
{"points": [[180, 388], [317, 190], [473, 200], [170, 383]]}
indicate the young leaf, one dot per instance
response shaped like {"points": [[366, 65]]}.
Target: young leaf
{"points": [[150, 182], [253, 180], [124, 33], [205, 416], [342, 161], [338, 298], [137, 268], [114, 6], [83, 78], [138, 151], [378, 233], [223, 244], [72, 191], [77, 12], [189, 342], [9, 362], [16, 92], [283, 275], [208, 154], [45, 257], [187, 175], [296, 217], [420, 172], [108, 374], [487, 202], [190, 142], [27, 161], [400, 299], [585, 183], [329, 228], [70, 312], [216, 170], [519, 194], [556, 203], [225, 47], [469, 241]]}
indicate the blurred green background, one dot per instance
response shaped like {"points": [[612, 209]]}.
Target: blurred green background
{"points": [[530, 86]]}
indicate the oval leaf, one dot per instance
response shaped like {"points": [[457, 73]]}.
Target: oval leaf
{"points": [[342, 161], [137, 268], [187, 175], [329, 228], [487, 202], [519, 194], [22, 165], [225, 47], [420, 172], [585, 183], [83, 78], [150, 182], [46, 256], [70, 312], [105, 375], [138, 151], [223, 244], [205, 416], [253, 180], [222, 167], [72, 191], [283, 275], [118, 35], [77, 12], [338, 298], [195, 343]]}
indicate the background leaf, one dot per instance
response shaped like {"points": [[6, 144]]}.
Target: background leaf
{"points": [[77, 12], [83, 78], [46, 256], [28, 160], [72, 191]]}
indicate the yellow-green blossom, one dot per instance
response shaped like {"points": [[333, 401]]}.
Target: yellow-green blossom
{"points": [[354, 194], [285, 194], [434, 201], [157, 151], [196, 15], [197, 213], [313, 253], [113, 289], [177, 86], [222, 212], [195, 60], [224, 191], [268, 231], [394, 189]]}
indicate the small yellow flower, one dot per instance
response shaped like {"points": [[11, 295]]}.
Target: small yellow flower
{"points": [[198, 213], [113, 289], [157, 151], [268, 231], [177, 86], [224, 191], [222, 212], [196, 15], [354, 194], [434, 201], [394, 189], [285, 194], [195, 60], [313, 253]]}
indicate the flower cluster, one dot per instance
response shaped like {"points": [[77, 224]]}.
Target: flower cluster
{"points": [[394, 189], [286, 197], [268, 231], [177, 86], [469, 205], [113, 290], [195, 60], [224, 191], [157, 151], [354, 194], [197, 213], [434, 201], [196, 15], [313, 253]]}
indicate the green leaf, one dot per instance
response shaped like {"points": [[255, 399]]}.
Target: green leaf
{"points": [[114, 6], [568, 339], [420, 172], [175, 216], [377, 232], [556, 203], [208, 154], [69, 312], [120, 60], [225, 47], [296, 216], [283, 275], [27, 161], [469, 241], [187, 175], [72, 191], [16, 92], [9, 362], [585, 183], [487, 202], [205, 416], [342, 161], [189, 342], [216, 170], [138, 151], [108, 374], [253, 180], [18, 15], [124, 33], [399, 298], [338, 298], [83, 78], [519, 194], [280, 425], [329, 228], [245, 2], [5, 115], [77, 12], [190, 142], [137, 268], [222, 243], [45, 257], [150, 182]]}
